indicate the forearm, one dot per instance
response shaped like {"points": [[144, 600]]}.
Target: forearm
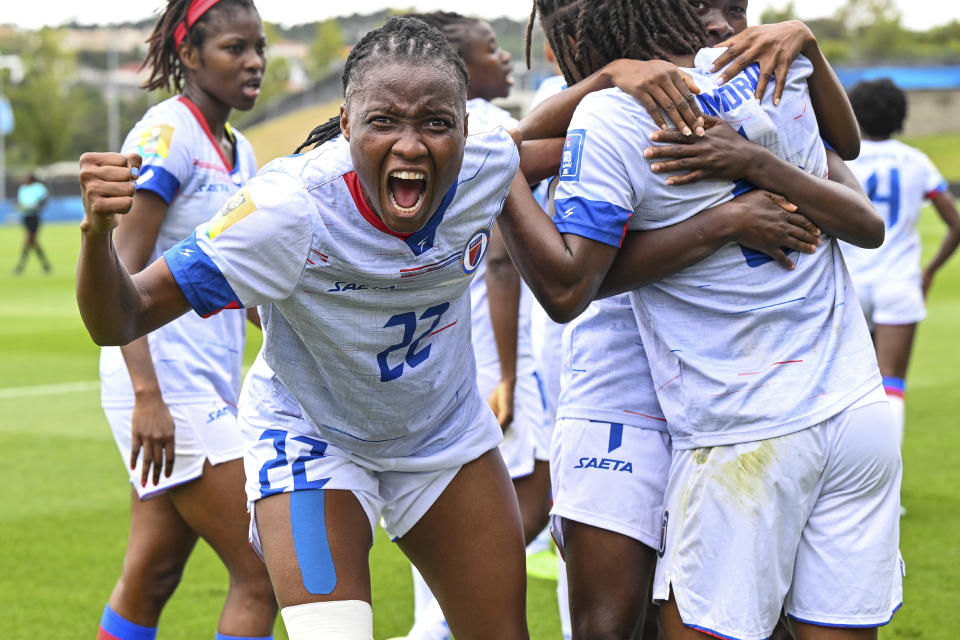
{"points": [[540, 159], [835, 117], [840, 211], [944, 204], [503, 298], [648, 256], [139, 363], [563, 281], [550, 118], [108, 299]]}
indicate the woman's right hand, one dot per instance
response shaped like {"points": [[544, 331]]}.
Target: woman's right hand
{"points": [[770, 224], [658, 84], [152, 431], [107, 185]]}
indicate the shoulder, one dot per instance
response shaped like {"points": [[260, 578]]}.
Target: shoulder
{"points": [[492, 150], [316, 167], [485, 115], [163, 126], [612, 115]]}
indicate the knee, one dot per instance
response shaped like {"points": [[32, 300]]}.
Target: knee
{"points": [[601, 623], [152, 583]]}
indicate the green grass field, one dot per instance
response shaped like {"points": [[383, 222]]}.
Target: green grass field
{"points": [[64, 504]]}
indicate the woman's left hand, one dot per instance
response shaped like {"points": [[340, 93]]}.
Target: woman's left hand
{"points": [[721, 154], [773, 46]]}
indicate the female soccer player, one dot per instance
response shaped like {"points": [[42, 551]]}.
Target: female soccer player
{"points": [[500, 316], [890, 284], [364, 401], [605, 178], [171, 397]]}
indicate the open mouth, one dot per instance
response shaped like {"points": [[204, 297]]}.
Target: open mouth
{"points": [[407, 190], [251, 88]]}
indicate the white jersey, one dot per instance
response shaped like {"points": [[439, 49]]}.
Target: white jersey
{"points": [[195, 359], [369, 330], [548, 88], [605, 374], [897, 178], [740, 349], [484, 117]]}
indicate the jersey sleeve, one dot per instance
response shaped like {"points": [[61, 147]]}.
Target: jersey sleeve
{"points": [[252, 252], [596, 192], [933, 181], [164, 145]]}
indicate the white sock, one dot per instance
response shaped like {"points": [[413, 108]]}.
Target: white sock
{"points": [[430, 624], [421, 593]]}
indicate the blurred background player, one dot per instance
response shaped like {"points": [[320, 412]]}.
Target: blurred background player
{"points": [[500, 316], [171, 397], [889, 281], [31, 196]]}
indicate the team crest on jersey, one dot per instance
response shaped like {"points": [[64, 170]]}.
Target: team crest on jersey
{"points": [[474, 250], [572, 154], [155, 142], [238, 207]]}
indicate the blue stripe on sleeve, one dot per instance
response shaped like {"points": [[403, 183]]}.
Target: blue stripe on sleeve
{"points": [[827, 145], [597, 220], [202, 283], [157, 179]]}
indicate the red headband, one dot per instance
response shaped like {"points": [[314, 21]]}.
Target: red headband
{"points": [[194, 12]]}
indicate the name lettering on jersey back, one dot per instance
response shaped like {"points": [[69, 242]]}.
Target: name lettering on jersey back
{"points": [[731, 95], [610, 464], [341, 286]]}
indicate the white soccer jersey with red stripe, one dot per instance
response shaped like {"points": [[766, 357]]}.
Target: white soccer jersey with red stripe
{"points": [[183, 164], [367, 329], [898, 179], [739, 348]]}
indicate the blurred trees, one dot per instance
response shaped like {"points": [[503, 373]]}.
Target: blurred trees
{"points": [[326, 48], [871, 32]]}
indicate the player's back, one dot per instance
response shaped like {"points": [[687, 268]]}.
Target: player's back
{"points": [[897, 178], [739, 347]]}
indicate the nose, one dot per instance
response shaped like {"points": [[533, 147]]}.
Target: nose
{"points": [[717, 26], [255, 60], [409, 144], [505, 56]]}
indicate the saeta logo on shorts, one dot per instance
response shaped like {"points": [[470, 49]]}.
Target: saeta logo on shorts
{"points": [[609, 464]]}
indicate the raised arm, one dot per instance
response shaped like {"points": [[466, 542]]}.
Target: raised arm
{"points": [[774, 47], [115, 307], [657, 84]]}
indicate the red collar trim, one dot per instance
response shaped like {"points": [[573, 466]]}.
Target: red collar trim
{"points": [[202, 121], [353, 185]]}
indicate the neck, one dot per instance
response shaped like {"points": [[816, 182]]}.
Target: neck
{"points": [[214, 111], [685, 60]]}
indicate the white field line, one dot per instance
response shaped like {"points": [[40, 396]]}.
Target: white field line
{"points": [[48, 389]]}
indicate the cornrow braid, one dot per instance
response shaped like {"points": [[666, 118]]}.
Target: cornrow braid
{"points": [[453, 25], [610, 29], [402, 38], [163, 60]]}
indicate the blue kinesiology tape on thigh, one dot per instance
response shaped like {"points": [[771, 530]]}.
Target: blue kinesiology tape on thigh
{"points": [[310, 541]]}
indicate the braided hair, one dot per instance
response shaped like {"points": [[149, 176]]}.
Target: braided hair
{"points": [[402, 38], [880, 107], [453, 25], [606, 30], [163, 60]]}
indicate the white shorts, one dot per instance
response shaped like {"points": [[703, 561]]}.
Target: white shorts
{"points": [[610, 476], [279, 458], [525, 440], [892, 301], [204, 431], [807, 522]]}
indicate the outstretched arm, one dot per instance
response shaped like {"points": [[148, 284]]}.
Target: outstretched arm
{"points": [[115, 307], [774, 47], [657, 84]]}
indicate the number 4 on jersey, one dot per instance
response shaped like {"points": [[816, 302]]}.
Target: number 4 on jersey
{"points": [[413, 357], [891, 198]]}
